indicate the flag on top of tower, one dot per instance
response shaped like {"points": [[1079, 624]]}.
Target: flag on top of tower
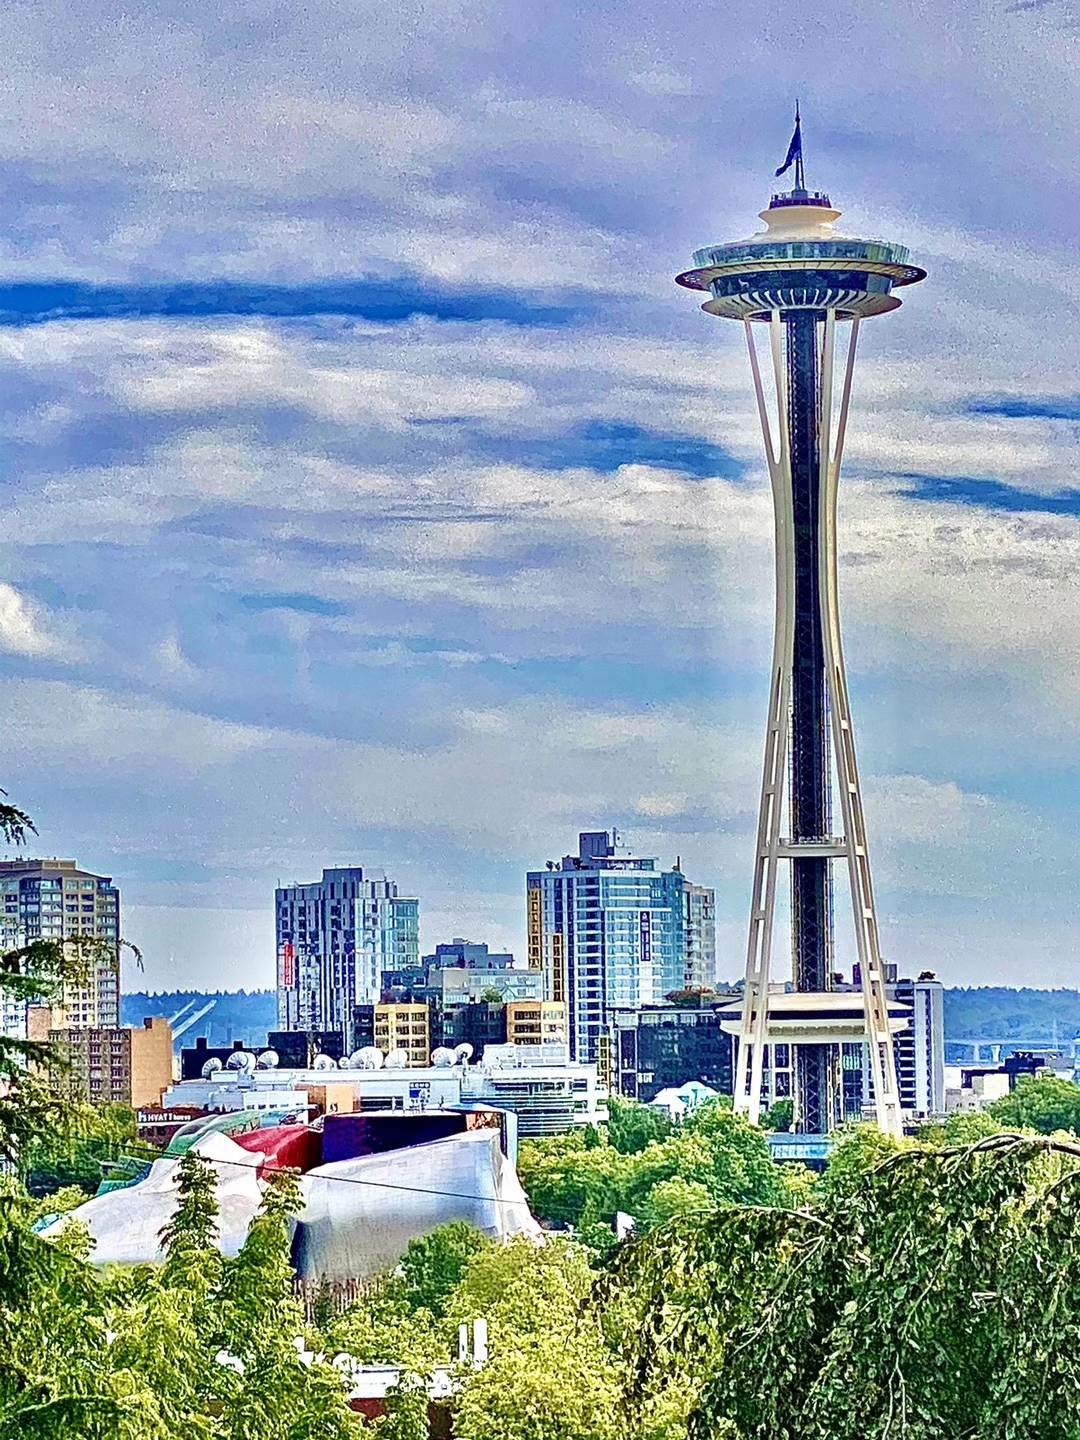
{"points": [[794, 150]]}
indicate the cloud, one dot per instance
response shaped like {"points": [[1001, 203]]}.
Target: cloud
{"points": [[20, 630]]}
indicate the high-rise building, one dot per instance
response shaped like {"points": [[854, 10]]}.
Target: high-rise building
{"points": [[803, 283], [608, 930], [55, 900], [700, 901], [919, 1048], [335, 938]]}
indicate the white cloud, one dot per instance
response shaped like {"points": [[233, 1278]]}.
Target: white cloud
{"points": [[21, 632]]}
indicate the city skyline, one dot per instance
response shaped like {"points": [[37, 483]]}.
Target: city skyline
{"points": [[433, 587]]}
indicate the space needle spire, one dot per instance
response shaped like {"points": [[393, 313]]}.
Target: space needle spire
{"points": [[799, 282]]}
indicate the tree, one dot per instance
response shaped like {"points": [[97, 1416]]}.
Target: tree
{"points": [[676, 1197], [571, 1184], [779, 1115], [201, 1346], [631, 1126], [937, 1293], [550, 1375], [1040, 1102], [433, 1264], [91, 1138]]}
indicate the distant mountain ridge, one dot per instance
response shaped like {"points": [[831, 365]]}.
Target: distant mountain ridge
{"points": [[991, 1012], [994, 1012], [237, 1014]]}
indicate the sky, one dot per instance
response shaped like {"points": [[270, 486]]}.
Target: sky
{"points": [[372, 496]]}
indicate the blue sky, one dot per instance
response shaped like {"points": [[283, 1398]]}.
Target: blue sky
{"points": [[372, 495]]}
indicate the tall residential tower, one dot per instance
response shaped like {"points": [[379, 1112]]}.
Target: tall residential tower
{"points": [[798, 281], [55, 900], [611, 930], [335, 938]]}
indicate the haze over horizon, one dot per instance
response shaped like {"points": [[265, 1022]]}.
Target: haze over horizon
{"points": [[373, 496]]}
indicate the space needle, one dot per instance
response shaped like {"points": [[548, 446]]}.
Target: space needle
{"points": [[797, 281]]}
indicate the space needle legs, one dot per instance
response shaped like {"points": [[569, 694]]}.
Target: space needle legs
{"points": [[809, 738]]}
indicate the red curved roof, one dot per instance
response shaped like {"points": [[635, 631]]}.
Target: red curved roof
{"points": [[287, 1147]]}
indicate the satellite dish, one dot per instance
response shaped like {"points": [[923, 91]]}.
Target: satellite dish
{"points": [[354, 1062], [462, 1053], [371, 1058], [442, 1058], [397, 1060], [212, 1066], [323, 1062], [240, 1060], [268, 1060]]}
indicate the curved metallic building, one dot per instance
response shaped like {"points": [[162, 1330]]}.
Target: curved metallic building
{"points": [[799, 279]]}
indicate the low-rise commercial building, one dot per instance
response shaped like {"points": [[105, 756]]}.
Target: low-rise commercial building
{"points": [[403, 1027], [536, 1022], [547, 1091], [129, 1065], [663, 1047]]}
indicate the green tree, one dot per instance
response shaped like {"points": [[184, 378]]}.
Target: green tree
{"points": [[1040, 1102], [676, 1196], [779, 1115], [857, 1149], [91, 1138], [935, 1292], [631, 1126], [433, 1264], [550, 1375], [570, 1184]]}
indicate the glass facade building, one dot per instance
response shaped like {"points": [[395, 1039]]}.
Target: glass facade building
{"points": [[335, 938], [609, 931]]}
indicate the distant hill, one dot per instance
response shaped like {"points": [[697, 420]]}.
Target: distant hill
{"points": [[988, 1012], [993, 1012], [237, 1014]]}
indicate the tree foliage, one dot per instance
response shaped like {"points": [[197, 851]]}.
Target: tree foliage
{"points": [[935, 1293], [91, 1138], [725, 1159], [1040, 1102], [201, 1346], [631, 1125]]}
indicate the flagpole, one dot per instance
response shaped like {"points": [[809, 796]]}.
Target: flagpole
{"points": [[800, 182]]}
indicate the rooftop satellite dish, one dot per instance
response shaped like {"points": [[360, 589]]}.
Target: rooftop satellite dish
{"points": [[240, 1060], [268, 1060], [463, 1053], [371, 1058], [397, 1060], [323, 1062], [354, 1062], [212, 1066], [442, 1058]]}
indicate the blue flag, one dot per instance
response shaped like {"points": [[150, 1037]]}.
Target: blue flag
{"points": [[794, 150]]}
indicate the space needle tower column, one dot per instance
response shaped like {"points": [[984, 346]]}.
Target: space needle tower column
{"points": [[797, 280]]}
